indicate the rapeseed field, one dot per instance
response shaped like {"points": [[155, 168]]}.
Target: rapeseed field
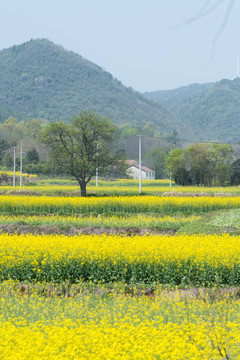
{"points": [[161, 321], [116, 326], [200, 260], [12, 204]]}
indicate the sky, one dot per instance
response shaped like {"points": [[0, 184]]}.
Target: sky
{"points": [[146, 44]]}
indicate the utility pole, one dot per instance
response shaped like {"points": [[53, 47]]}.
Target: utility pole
{"points": [[97, 177], [14, 166], [21, 153], [97, 169], [140, 163], [170, 172]]}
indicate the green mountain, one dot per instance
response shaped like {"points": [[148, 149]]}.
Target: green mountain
{"points": [[207, 112], [181, 93], [39, 79]]}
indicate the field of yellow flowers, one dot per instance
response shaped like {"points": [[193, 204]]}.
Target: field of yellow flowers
{"points": [[116, 326], [106, 324], [199, 260]]}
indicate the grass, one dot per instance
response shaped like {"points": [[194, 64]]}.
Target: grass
{"points": [[137, 221], [200, 226], [230, 219], [216, 222]]}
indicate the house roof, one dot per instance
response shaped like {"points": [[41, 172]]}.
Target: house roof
{"points": [[144, 168], [131, 162]]}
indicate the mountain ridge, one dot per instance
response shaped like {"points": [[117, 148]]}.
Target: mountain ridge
{"points": [[39, 79], [211, 112], [42, 80]]}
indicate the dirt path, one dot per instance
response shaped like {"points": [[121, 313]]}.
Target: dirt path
{"points": [[41, 229]]}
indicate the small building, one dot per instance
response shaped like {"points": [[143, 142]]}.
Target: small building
{"points": [[133, 171]]}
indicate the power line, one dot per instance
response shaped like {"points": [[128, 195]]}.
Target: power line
{"points": [[207, 142], [194, 141]]}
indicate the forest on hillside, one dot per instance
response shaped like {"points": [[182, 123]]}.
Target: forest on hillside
{"points": [[42, 80], [210, 112]]}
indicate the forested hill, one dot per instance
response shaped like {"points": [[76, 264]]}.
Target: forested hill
{"points": [[39, 79], [181, 93], [208, 111]]}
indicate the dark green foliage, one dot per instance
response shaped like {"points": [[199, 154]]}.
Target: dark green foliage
{"points": [[200, 164], [32, 156], [41, 167], [7, 160], [156, 160], [234, 172], [4, 145], [42, 80]]}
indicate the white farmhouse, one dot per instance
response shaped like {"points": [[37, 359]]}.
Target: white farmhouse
{"points": [[133, 171]]}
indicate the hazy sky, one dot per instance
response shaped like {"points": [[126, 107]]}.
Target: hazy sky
{"points": [[146, 44]]}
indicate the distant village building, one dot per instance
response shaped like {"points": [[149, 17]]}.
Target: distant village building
{"points": [[133, 171]]}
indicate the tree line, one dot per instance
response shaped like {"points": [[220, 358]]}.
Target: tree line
{"points": [[204, 165], [90, 142], [77, 149]]}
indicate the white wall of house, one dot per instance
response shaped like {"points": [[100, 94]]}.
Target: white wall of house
{"points": [[146, 175], [150, 175]]}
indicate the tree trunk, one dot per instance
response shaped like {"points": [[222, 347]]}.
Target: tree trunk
{"points": [[83, 189]]}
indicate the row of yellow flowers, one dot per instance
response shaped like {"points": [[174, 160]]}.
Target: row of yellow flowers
{"points": [[121, 204], [17, 173], [117, 182], [195, 259], [134, 221], [74, 190]]}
